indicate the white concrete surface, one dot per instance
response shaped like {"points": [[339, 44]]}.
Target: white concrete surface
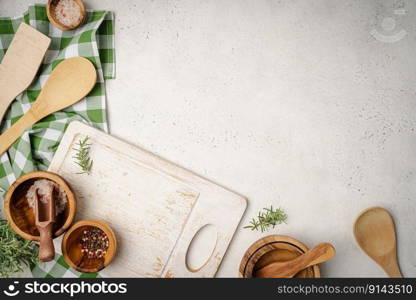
{"points": [[290, 103]]}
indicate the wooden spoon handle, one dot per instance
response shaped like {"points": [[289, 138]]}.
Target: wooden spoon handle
{"points": [[316, 255], [392, 269], [46, 249], [13, 133]]}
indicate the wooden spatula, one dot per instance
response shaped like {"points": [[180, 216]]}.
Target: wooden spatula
{"points": [[44, 220], [375, 233], [319, 254], [20, 63], [68, 83]]}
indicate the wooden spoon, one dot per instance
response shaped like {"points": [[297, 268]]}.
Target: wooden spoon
{"points": [[44, 220], [320, 253], [375, 233], [68, 83]]}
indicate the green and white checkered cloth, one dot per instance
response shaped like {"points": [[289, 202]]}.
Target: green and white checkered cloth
{"points": [[35, 149]]}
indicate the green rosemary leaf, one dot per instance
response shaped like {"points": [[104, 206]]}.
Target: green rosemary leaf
{"points": [[82, 156], [15, 252], [268, 218]]}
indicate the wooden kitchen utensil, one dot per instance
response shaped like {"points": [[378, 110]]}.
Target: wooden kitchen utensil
{"points": [[319, 254], [275, 248], [21, 63], [375, 233], [158, 210], [44, 220], [68, 83]]}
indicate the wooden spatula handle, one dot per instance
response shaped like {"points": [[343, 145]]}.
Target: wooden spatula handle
{"points": [[6, 95], [5, 99], [46, 249], [13, 133]]}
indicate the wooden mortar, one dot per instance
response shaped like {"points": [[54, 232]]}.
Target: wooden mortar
{"points": [[274, 248], [21, 216]]}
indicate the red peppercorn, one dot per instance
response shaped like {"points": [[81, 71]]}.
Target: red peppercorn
{"points": [[94, 242]]}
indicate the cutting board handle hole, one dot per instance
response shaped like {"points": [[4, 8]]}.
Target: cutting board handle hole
{"points": [[201, 248]]}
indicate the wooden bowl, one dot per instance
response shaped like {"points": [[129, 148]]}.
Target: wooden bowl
{"points": [[21, 216], [50, 11], [274, 248], [71, 248]]}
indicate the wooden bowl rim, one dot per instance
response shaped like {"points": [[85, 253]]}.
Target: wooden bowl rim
{"points": [[72, 202], [52, 19], [259, 247], [94, 223]]}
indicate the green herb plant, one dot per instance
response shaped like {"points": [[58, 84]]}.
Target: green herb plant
{"points": [[267, 218], [15, 252], [82, 156]]}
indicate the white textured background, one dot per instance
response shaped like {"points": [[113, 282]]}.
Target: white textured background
{"points": [[290, 103]]}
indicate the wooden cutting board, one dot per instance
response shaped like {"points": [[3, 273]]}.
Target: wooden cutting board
{"points": [[155, 207]]}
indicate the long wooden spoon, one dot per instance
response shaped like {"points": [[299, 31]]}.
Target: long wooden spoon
{"points": [[68, 83], [321, 253], [375, 233]]}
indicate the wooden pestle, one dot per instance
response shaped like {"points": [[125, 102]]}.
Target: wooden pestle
{"points": [[320, 253], [45, 219]]}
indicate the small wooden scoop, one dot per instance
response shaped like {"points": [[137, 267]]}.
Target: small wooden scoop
{"points": [[375, 233], [321, 253], [68, 83], [44, 220], [21, 63]]}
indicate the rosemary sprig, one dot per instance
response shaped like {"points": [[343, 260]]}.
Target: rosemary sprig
{"points": [[82, 156], [15, 252], [267, 218]]}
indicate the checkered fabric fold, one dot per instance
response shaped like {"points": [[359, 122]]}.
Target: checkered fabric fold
{"points": [[36, 147]]}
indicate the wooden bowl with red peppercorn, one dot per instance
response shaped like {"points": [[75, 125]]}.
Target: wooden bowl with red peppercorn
{"points": [[89, 246]]}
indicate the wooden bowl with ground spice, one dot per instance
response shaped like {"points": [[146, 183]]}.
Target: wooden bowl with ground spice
{"points": [[275, 248], [19, 203], [66, 14], [89, 246]]}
